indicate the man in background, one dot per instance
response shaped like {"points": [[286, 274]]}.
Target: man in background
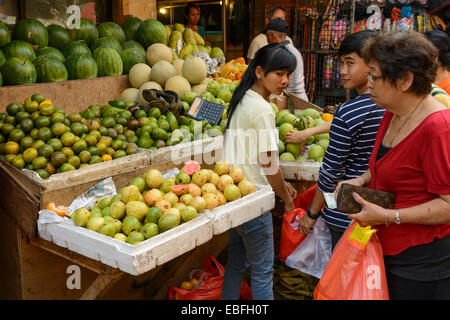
{"points": [[260, 40], [276, 32]]}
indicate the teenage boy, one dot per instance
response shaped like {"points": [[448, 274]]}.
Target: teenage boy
{"points": [[352, 136]]}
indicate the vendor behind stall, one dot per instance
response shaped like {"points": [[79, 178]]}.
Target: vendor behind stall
{"points": [[192, 17]]}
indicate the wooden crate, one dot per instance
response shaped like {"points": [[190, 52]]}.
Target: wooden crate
{"points": [[28, 192], [71, 95]]}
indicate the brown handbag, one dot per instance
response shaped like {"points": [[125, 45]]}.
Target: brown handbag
{"points": [[346, 203]]}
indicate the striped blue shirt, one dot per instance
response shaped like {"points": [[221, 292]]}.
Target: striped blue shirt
{"points": [[352, 137]]}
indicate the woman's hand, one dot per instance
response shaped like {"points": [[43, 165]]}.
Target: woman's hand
{"points": [[370, 214], [355, 181], [295, 136], [306, 224]]}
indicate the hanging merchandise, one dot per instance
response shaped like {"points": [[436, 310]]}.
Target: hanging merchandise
{"points": [[325, 31], [328, 71]]}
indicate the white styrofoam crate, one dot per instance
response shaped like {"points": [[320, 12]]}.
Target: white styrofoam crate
{"points": [[133, 259], [235, 213], [153, 252], [307, 170], [199, 149]]}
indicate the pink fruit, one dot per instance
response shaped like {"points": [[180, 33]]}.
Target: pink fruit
{"points": [[180, 189], [191, 167], [224, 180], [237, 174], [246, 187]]}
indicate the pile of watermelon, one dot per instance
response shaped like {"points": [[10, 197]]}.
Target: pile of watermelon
{"points": [[34, 53]]}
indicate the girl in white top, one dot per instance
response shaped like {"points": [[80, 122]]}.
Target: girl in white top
{"points": [[251, 143]]}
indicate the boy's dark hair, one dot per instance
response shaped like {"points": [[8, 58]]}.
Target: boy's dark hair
{"points": [[442, 42], [272, 10], [355, 42]]}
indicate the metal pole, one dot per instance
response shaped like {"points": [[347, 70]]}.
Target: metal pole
{"points": [[224, 25], [294, 36]]}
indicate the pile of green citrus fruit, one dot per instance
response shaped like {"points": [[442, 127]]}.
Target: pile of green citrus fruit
{"points": [[39, 136]]}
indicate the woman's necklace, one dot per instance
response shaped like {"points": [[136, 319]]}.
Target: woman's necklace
{"points": [[404, 123]]}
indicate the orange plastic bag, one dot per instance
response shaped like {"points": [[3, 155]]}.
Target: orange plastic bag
{"points": [[290, 236], [356, 268], [209, 285]]}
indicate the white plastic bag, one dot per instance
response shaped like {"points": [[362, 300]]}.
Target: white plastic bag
{"points": [[105, 188], [313, 253]]}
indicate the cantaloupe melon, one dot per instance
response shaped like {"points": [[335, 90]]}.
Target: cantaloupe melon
{"points": [[148, 85], [200, 88], [158, 52], [178, 84], [194, 70], [178, 64], [129, 94], [139, 74], [162, 71]]}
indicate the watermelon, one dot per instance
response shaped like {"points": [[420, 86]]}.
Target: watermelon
{"points": [[76, 47], [131, 44], [2, 58], [108, 61], [32, 31], [81, 66], [50, 69], [58, 37], [51, 53], [111, 30], [18, 71], [151, 31], [130, 27], [19, 49], [87, 32], [5, 35], [130, 57], [107, 42]]}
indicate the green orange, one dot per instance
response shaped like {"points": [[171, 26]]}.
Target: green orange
{"points": [[29, 155], [11, 147]]}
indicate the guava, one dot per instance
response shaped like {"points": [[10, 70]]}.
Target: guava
{"points": [[188, 213], [232, 192]]}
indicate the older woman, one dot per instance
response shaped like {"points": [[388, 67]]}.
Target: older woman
{"points": [[411, 157]]}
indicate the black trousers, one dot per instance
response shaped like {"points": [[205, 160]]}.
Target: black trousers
{"points": [[406, 289]]}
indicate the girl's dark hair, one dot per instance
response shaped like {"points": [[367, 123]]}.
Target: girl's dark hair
{"points": [[271, 57], [442, 42], [399, 52], [355, 42]]}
